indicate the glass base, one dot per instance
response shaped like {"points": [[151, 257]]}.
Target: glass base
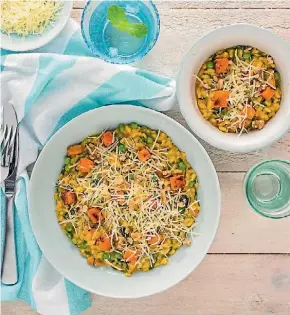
{"points": [[267, 188]]}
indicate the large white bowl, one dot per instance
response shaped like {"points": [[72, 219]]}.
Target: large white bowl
{"points": [[65, 257], [15, 42], [224, 37]]}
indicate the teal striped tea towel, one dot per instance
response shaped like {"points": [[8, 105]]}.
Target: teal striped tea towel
{"points": [[48, 88]]}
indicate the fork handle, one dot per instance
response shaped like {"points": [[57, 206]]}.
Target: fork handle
{"points": [[9, 274]]}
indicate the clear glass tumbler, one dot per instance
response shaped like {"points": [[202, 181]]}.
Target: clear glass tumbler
{"points": [[267, 188], [115, 46]]}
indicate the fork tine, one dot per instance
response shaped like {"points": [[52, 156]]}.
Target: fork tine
{"points": [[6, 154], [7, 137], [10, 150], [4, 144], [3, 135]]}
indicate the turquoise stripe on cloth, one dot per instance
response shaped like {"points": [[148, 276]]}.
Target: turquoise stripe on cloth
{"points": [[79, 299], [2, 62], [49, 67], [123, 87], [76, 46], [48, 90], [154, 77]]}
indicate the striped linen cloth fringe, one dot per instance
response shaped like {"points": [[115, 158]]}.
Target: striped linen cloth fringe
{"points": [[48, 87]]}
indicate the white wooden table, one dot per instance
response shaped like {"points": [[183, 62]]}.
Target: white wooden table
{"points": [[247, 270]]}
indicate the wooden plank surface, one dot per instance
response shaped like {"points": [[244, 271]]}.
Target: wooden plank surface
{"points": [[243, 231], [221, 285], [248, 269], [216, 4]]}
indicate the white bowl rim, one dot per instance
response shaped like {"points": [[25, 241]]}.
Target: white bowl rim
{"points": [[45, 38], [178, 125], [220, 142]]}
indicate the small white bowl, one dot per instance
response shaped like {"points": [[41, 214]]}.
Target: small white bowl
{"points": [[15, 42], [65, 257], [225, 37]]}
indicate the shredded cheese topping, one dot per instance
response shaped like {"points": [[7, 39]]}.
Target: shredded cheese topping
{"points": [[133, 196], [238, 89], [245, 82], [27, 17]]}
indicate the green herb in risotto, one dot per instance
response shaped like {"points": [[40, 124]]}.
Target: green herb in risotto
{"points": [[238, 89], [127, 198]]}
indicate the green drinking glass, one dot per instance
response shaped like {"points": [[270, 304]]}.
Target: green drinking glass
{"points": [[267, 188]]}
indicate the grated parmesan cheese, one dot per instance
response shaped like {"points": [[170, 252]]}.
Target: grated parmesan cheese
{"points": [[130, 198], [28, 17]]}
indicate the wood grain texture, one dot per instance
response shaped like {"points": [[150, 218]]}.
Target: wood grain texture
{"points": [[190, 25], [243, 231], [221, 285], [216, 4]]}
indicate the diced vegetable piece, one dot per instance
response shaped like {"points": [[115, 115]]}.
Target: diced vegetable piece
{"points": [[133, 125], [106, 256], [247, 123], [191, 183], [117, 255], [65, 215], [67, 161], [122, 148], [74, 150], [181, 210], [95, 214], [182, 166], [154, 239], [247, 56], [85, 165], [122, 127], [130, 255], [154, 203], [68, 197], [268, 93], [221, 65], [99, 263], [90, 260], [210, 65], [104, 242], [144, 155], [220, 99], [107, 138], [136, 236], [149, 140], [69, 228], [249, 112], [277, 76], [272, 82], [177, 182]]}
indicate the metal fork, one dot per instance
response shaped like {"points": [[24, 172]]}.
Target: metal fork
{"points": [[9, 158], [7, 147], [9, 273]]}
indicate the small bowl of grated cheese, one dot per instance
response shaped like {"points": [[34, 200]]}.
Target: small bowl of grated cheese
{"points": [[233, 88], [30, 24]]}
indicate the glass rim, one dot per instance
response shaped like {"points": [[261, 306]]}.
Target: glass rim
{"points": [[123, 61], [245, 186]]}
